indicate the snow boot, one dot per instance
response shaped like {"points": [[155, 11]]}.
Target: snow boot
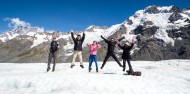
{"points": [[90, 69], [81, 66], [96, 70], [72, 66], [101, 67], [123, 69], [130, 71], [48, 69], [53, 70]]}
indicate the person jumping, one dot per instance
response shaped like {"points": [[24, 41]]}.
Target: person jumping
{"points": [[126, 55], [93, 50], [78, 41], [54, 47], [110, 50]]}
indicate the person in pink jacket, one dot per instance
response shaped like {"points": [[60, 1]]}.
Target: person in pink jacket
{"points": [[93, 50]]}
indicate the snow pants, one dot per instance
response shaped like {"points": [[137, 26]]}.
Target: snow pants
{"points": [[107, 57], [75, 54], [52, 56], [129, 64], [91, 59]]}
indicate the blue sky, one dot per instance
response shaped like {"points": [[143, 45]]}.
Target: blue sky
{"points": [[65, 15]]}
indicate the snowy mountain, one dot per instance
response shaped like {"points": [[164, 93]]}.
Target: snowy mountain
{"points": [[163, 31], [30, 31]]}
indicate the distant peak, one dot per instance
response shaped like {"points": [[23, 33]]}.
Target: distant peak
{"points": [[153, 9], [97, 27], [91, 26]]}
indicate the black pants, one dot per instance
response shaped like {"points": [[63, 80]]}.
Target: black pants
{"points": [[52, 55], [129, 64], [107, 57]]}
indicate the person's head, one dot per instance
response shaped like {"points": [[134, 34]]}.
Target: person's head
{"points": [[53, 38], [126, 44], [94, 42], [79, 37], [112, 39]]}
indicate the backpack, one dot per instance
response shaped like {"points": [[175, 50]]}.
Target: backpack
{"points": [[54, 46]]}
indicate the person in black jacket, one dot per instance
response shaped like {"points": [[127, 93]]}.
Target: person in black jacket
{"points": [[78, 41], [110, 50], [54, 47], [126, 55]]}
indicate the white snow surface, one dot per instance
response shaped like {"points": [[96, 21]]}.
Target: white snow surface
{"points": [[164, 8], [158, 77]]}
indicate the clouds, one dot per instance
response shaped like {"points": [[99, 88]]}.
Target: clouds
{"points": [[16, 22]]}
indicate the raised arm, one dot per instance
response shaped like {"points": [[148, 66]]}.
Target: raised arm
{"points": [[88, 45], [98, 45], [83, 37], [72, 36], [132, 44], [104, 39], [120, 46], [121, 39]]}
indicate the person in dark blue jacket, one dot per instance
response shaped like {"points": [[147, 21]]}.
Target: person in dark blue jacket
{"points": [[126, 55]]}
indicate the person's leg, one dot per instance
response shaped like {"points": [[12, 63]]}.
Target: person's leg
{"points": [[96, 62], [54, 60], [124, 64], [105, 60], [80, 57], [49, 60], [129, 64], [90, 61], [74, 57], [115, 58]]}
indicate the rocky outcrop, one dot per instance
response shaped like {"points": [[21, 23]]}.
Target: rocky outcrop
{"points": [[129, 22], [147, 23], [175, 9], [174, 17], [156, 49], [145, 31], [152, 10]]}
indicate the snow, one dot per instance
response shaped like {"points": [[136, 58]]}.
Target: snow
{"points": [[181, 22], [187, 11], [162, 34], [179, 38], [164, 8], [90, 27], [158, 77], [38, 40]]}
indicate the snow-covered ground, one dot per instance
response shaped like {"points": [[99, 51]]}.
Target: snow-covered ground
{"points": [[158, 77]]}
